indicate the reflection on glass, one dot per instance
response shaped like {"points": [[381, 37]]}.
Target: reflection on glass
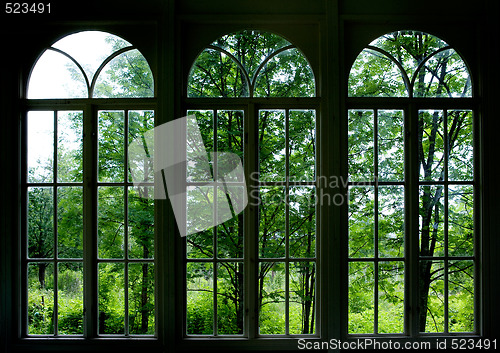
{"points": [[70, 146], [230, 298], [390, 145], [199, 208], [431, 287], [272, 145], [272, 308], [111, 146], [56, 76], [40, 146], [70, 298], [431, 223], [111, 298], [461, 220], [70, 221], [40, 222], [286, 74], [391, 221], [460, 145], [302, 221], [272, 222], [141, 222], [302, 298], [40, 298], [461, 296], [431, 145], [361, 297], [111, 222], [391, 295], [302, 144], [360, 145], [361, 222], [126, 76], [141, 299], [199, 298]]}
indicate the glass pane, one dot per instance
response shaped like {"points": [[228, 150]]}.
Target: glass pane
{"points": [[40, 298], [90, 48], [302, 298], [302, 144], [214, 74], [229, 139], [373, 74], [443, 75], [431, 211], [361, 222], [141, 298], [302, 221], [361, 151], [200, 209], [199, 166], [111, 222], [141, 216], [70, 298], [391, 226], [230, 232], [361, 297], [390, 145], [126, 76], [272, 222], [40, 222], [431, 145], [431, 296], [230, 298], [461, 148], [391, 310], [56, 76], [40, 146], [286, 74], [111, 298], [139, 122], [272, 308], [111, 146], [200, 299], [70, 222], [70, 146], [461, 220], [272, 145], [461, 296]]}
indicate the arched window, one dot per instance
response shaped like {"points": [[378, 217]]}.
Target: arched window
{"points": [[238, 90], [89, 247], [412, 189]]}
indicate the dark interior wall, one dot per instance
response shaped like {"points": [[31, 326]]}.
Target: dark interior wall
{"points": [[157, 26]]}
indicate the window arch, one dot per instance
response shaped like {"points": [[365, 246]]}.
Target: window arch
{"points": [[412, 189], [409, 64], [102, 65], [251, 64], [276, 139], [79, 191]]}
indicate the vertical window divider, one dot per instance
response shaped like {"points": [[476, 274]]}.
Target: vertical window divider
{"points": [[125, 221], [287, 225], [54, 203], [215, 216]]}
